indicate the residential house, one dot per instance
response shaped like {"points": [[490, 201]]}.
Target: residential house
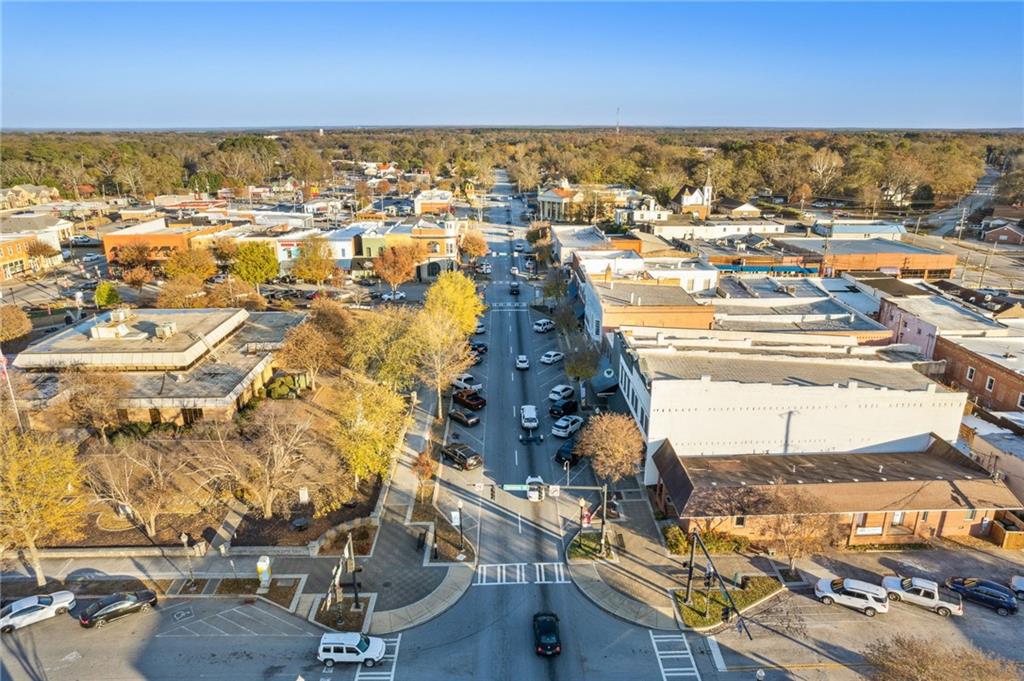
{"points": [[25, 195], [693, 201], [645, 211], [1003, 232], [736, 208]]}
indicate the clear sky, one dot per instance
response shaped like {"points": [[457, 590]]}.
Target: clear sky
{"points": [[144, 65]]}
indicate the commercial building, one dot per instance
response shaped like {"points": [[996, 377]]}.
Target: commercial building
{"points": [[161, 238], [683, 227], [920, 320], [567, 239], [432, 201], [990, 369], [736, 208], [861, 255], [610, 303], [860, 229]]}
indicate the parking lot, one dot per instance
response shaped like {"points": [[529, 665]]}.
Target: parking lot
{"points": [[222, 638]]}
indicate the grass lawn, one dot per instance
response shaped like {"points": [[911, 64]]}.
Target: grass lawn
{"points": [[341, 617], [586, 546], [754, 589]]}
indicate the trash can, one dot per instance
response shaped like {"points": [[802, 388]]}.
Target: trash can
{"points": [[263, 570]]}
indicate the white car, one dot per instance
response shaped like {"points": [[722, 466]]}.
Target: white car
{"points": [[560, 392], [551, 356], [528, 416], [350, 647], [543, 325], [480, 328], [522, 362], [467, 382], [514, 271], [26, 611], [92, 257], [923, 592], [536, 491], [391, 297], [519, 248], [566, 426], [853, 593]]}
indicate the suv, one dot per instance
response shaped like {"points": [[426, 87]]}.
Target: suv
{"points": [[466, 418], [543, 325], [564, 408], [462, 456], [350, 647], [470, 398], [983, 592], [567, 453], [868, 598], [528, 416]]}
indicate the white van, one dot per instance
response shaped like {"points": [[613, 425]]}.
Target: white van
{"points": [[853, 593], [350, 647], [528, 416]]}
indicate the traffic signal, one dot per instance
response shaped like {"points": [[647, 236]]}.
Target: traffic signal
{"points": [[494, 493]]}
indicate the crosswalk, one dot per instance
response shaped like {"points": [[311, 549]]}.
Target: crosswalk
{"points": [[499, 307], [385, 669], [675, 660], [508, 574]]}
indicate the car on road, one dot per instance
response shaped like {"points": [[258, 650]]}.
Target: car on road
{"points": [[513, 288], [520, 247], [536, 488], [470, 398], [560, 392], [528, 416], [393, 297], [567, 454], [564, 408], [461, 456], [552, 356], [350, 647], [984, 592], [83, 240], [566, 426], [88, 285], [545, 634], [92, 257], [543, 325], [467, 382], [116, 606], [466, 418], [923, 592], [26, 611], [514, 271], [510, 232], [480, 328], [870, 599], [1017, 585], [522, 362], [478, 348]]}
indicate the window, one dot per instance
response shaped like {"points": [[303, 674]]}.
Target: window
{"points": [[1020, 401], [990, 383], [970, 373], [924, 517], [971, 515], [741, 521]]}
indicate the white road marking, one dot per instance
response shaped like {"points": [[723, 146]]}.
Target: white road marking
{"points": [[511, 574], [520, 519], [390, 658], [557, 573], [674, 661], [517, 457], [716, 654]]}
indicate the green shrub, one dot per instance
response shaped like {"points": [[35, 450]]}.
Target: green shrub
{"points": [[678, 542]]}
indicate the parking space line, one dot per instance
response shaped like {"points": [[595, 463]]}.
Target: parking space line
{"points": [[217, 629], [235, 624], [286, 623]]}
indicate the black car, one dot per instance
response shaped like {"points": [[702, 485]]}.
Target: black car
{"points": [[477, 357], [478, 348], [514, 288], [982, 591], [88, 286], [462, 456], [466, 418], [545, 634], [470, 398], [567, 452], [563, 408], [115, 607]]}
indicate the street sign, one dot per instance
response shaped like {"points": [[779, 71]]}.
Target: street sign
{"points": [[554, 490], [456, 518], [478, 486], [515, 488]]}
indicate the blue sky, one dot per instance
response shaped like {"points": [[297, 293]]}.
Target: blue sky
{"points": [[182, 65]]}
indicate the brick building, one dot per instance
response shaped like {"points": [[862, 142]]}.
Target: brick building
{"points": [[990, 370], [867, 255]]}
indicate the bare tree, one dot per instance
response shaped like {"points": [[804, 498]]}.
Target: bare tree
{"points": [[905, 657], [92, 399], [441, 351], [309, 348], [825, 168], [794, 524], [614, 445]]}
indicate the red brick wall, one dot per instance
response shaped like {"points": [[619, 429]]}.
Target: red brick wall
{"points": [[1008, 384]]}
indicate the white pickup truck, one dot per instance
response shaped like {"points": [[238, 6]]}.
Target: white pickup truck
{"points": [[923, 592]]}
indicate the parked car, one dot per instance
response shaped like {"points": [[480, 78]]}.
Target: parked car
{"points": [[83, 240], [470, 398], [1017, 585], [984, 592], [92, 257], [88, 285], [522, 362], [543, 325], [564, 408], [115, 607], [545, 634], [536, 488], [467, 382], [479, 348], [567, 453], [466, 418], [350, 647], [477, 357], [480, 328], [923, 592], [462, 456], [390, 297], [870, 599], [26, 611], [566, 426], [366, 281], [560, 392], [528, 416], [552, 356]]}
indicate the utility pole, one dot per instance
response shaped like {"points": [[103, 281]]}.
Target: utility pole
{"points": [[984, 266], [963, 272], [10, 390], [960, 229]]}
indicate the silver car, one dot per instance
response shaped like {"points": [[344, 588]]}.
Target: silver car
{"points": [[32, 609]]}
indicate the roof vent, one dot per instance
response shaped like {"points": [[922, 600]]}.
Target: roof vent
{"points": [[166, 330], [856, 480]]}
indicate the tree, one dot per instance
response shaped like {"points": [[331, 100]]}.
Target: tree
{"points": [[474, 245], [184, 292], [556, 284], [225, 250], [825, 168], [382, 346], [146, 478], [14, 323], [39, 492], [904, 657], [440, 350], [614, 445], [370, 420], [197, 262], [132, 254], [137, 277], [564, 317], [395, 266], [794, 527], [314, 262], [92, 399], [581, 358], [256, 263], [233, 292], [311, 349], [40, 251], [454, 294], [1010, 188], [106, 294], [801, 195]]}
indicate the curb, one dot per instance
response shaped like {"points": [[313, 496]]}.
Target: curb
{"points": [[447, 593], [715, 628]]}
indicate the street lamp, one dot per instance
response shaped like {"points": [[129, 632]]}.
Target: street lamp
{"points": [[188, 557], [462, 538], [583, 505]]}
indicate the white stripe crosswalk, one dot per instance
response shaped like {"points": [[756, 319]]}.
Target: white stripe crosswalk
{"points": [[675, 660], [508, 574]]}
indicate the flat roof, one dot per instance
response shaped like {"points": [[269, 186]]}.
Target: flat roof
{"points": [[577, 236], [946, 315], [856, 246], [646, 295], [887, 284], [786, 288], [1007, 352]]}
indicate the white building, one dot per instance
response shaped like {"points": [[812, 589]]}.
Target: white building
{"points": [[716, 229], [567, 239], [647, 210], [919, 320], [711, 397]]}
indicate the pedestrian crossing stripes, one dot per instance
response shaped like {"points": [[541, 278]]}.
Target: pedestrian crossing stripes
{"points": [[385, 669], [675, 660], [505, 574], [508, 306]]}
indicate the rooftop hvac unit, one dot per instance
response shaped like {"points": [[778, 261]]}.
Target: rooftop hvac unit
{"points": [[166, 330], [119, 315]]}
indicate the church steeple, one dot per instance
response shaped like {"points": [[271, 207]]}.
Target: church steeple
{"points": [[707, 189]]}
